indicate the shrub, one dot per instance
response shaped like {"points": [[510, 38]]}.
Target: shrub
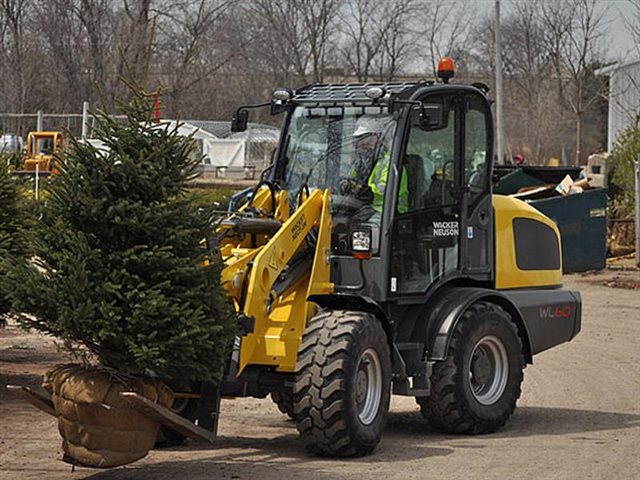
{"points": [[625, 152], [119, 271]]}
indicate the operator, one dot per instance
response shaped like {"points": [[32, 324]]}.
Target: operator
{"points": [[372, 153]]}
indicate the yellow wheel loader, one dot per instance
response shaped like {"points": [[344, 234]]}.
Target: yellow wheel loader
{"points": [[42, 147], [372, 259]]}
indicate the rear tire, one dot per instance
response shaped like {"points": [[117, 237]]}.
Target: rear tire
{"points": [[476, 388], [343, 383], [283, 398]]}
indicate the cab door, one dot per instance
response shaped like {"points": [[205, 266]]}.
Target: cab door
{"points": [[443, 209]]}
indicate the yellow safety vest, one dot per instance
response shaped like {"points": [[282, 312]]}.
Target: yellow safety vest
{"points": [[378, 182]]}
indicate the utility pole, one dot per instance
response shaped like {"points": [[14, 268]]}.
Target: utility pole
{"points": [[499, 91], [637, 177]]}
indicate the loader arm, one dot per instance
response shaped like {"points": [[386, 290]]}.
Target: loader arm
{"points": [[279, 317]]}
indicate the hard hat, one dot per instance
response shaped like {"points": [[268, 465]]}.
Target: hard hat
{"points": [[368, 124]]}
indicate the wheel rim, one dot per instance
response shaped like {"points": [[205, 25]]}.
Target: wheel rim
{"points": [[368, 386], [488, 370]]}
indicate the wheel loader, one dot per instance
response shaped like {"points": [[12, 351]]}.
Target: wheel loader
{"points": [[372, 259], [42, 147]]}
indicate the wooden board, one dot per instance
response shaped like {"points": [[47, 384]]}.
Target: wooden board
{"points": [[168, 418], [39, 401]]}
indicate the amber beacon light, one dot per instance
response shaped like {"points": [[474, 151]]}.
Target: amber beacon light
{"points": [[446, 69]]}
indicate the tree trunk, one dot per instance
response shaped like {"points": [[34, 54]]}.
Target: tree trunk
{"points": [[578, 135]]}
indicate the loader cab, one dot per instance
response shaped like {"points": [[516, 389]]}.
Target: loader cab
{"points": [[409, 179]]}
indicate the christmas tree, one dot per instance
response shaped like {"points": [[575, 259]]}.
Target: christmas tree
{"points": [[120, 271], [13, 222]]}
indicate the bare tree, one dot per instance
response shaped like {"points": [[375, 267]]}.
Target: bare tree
{"points": [[294, 34], [64, 66], [189, 49], [14, 52], [135, 37], [376, 38], [527, 61], [446, 27], [362, 37], [582, 56], [95, 17], [318, 17], [398, 37]]}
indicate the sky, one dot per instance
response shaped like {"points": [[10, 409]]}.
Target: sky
{"points": [[617, 42]]}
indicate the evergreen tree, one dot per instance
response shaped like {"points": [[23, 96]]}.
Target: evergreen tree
{"points": [[120, 270], [13, 218]]}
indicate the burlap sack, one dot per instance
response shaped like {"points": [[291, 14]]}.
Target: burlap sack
{"points": [[99, 428]]}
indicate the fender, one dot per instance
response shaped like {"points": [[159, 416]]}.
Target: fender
{"points": [[448, 305], [337, 301]]}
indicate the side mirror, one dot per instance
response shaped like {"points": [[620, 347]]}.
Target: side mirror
{"points": [[428, 117], [240, 120]]}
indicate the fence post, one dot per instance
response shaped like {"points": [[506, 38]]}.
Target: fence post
{"points": [[637, 178], [37, 192], [85, 119]]}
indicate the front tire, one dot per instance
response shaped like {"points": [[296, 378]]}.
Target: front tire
{"points": [[475, 389], [343, 384]]}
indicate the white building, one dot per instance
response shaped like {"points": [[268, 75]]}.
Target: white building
{"points": [[624, 98]]}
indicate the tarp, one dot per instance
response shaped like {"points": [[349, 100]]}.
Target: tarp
{"points": [[217, 152], [224, 152]]}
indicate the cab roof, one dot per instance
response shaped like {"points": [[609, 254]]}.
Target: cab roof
{"points": [[355, 92], [347, 91]]}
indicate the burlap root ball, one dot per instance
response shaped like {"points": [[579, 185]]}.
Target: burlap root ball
{"points": [[98, 427]]}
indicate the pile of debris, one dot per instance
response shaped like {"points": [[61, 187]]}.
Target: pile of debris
{"points": [[537, 183], [567, 196]]}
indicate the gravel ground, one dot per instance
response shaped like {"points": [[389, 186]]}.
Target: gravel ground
{"points": [[578, 417]]}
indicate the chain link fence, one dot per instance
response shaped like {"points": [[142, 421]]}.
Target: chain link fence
{"points": [[233, 156]]}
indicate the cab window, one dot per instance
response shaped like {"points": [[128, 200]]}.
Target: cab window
{"points": [[429, 170], [476, 137]]}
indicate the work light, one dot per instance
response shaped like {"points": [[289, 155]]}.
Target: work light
{"points": [[282, 94], [361, 242], [375, 92]]}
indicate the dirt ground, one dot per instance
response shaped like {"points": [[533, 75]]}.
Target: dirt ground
{"points": [[578, 417]]}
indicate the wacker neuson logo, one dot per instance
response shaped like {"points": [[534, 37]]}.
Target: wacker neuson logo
{"points": [[445, 229]]}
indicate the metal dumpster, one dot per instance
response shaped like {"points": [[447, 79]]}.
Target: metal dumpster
{"points": [[582, 221]]}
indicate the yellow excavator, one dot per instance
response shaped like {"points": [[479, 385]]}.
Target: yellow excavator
{"points": [[373, 259]]}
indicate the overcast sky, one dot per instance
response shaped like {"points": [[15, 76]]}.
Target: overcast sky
{"points": [[618, 43]]}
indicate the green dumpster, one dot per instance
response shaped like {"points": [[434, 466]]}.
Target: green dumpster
{"points": [[582, 221]]}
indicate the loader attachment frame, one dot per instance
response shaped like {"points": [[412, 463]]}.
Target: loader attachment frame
{"points": [[278, 315]]}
